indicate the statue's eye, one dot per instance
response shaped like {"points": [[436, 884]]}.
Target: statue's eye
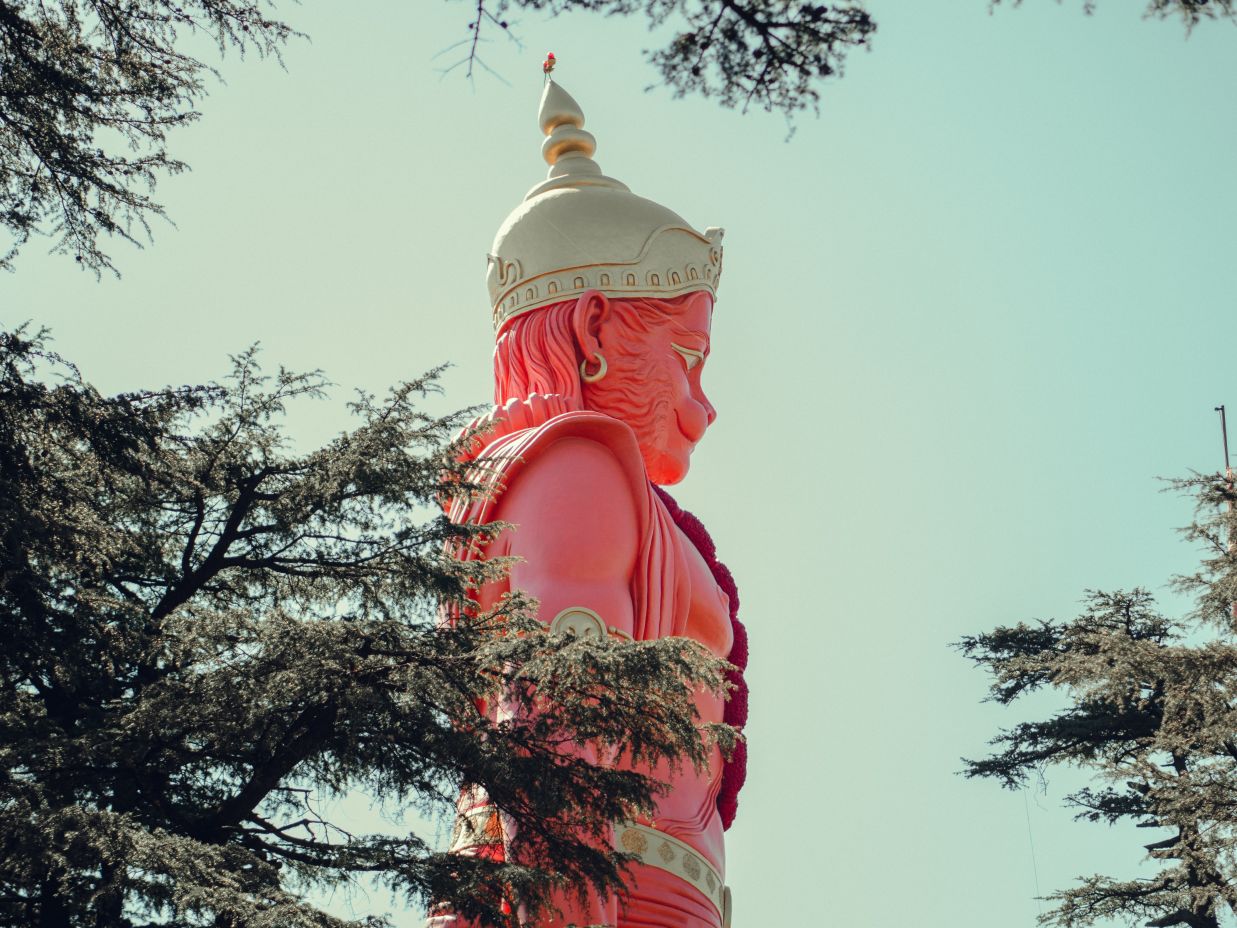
{"points": [[691, 357]]}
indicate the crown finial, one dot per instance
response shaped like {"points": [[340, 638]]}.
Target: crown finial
{"points": [[562, 121], [568, 148]]}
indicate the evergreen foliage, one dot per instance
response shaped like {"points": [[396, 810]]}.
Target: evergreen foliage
{"points": [[208, 634], [767, 53], [89, 89], [1190, 12], [1152, 713]]}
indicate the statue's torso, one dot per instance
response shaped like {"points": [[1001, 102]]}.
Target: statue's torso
{"points": [[688, 811], [666, 588]]}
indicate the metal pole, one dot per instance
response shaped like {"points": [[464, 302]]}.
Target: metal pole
{"points": [[1228, 470], [1228, 480]]}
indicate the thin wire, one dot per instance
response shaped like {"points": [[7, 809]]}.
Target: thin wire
{"points": [[1026, 807]]}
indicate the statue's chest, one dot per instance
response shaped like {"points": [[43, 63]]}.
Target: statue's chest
{"points": [[708, 616]]}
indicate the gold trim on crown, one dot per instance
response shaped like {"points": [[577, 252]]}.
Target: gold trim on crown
{"points": [[675, 260]]}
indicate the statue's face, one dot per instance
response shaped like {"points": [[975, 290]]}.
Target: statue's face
{"points": [[653, 384]]}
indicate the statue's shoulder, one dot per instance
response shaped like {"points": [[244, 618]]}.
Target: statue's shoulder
{"points": [[573, 454], [584, 425], [571, 440], [513, 435], [575, 489]]}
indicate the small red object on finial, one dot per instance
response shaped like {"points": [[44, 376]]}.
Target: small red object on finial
{"points": [[547, 66]]}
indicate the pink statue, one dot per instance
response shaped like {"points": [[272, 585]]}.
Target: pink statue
{"points": [[603, 303]]}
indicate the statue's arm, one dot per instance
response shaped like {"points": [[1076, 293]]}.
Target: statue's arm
{"points": [[575, 531]]}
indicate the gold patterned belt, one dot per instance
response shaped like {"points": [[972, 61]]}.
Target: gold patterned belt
{"points": [[660, 850]]}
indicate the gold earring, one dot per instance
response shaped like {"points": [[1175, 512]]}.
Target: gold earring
{"points": [[601, 371]]}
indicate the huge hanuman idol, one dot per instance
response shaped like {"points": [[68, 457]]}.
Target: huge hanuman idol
{"points": [[602, 305]]}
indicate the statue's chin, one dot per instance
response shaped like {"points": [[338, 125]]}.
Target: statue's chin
{"points": [[664, 468]]}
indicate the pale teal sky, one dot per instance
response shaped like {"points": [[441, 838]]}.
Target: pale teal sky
{"points": [[968, 316]]}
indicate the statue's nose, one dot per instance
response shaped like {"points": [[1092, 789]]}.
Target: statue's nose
{"points": [[708, 408]]}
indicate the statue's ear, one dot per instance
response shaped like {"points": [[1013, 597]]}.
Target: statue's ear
{"points": [[592, 313]]}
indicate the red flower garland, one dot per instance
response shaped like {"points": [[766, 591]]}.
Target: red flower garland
{"points": [[735, 771]]}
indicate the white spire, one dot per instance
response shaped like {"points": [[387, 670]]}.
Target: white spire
{"points": [[568, 149]]}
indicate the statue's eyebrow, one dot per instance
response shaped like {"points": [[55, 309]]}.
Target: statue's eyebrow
{"points": [[693, 333], [691, 356]]}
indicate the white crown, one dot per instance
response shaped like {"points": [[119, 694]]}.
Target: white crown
{"points": [[579, 230]]}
